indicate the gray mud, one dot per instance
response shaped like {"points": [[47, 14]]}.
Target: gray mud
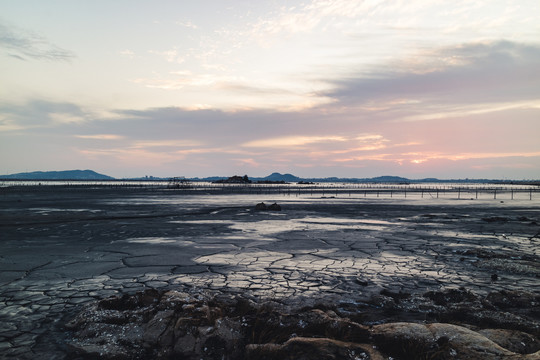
{"points": [[63, 250]]}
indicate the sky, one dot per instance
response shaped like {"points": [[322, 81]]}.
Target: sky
{"points": [[321, 88]]}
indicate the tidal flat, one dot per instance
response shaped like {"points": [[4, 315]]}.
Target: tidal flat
{"points": [[71, 257]]}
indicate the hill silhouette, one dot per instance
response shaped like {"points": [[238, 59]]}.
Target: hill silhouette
{"points": [[58, 175]]}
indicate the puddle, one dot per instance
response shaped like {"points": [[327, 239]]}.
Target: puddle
{"points": [[156, 240]]}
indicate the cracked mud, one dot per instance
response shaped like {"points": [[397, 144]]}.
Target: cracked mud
{"points": [[63, 250]]}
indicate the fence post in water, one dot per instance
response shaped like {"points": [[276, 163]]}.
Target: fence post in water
{"points": [[477, 193], [495, 194], [530, 194], [512, 192], [459, 193]]}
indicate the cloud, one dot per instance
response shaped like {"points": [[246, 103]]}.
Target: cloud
{"points": [[213, 142], [292, 141], [187, 24], [24, 45], [475, 109], [42, 114], [479, 72], [167, 143], [181, 79], [100, 137], [171, 55], [127, 53], [309, 16]]}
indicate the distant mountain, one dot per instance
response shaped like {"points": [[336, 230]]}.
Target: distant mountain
{"points": [[292, 178], [393, 179], [58, 175], [280, 177], [379, 179]]}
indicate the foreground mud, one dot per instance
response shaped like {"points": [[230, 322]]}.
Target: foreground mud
{"points": [[453, 324], [63, 250]]}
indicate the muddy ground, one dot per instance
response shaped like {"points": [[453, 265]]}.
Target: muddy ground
{"points": [[64, 250]]}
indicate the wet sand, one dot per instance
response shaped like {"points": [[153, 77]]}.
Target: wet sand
{"points": [[64, 249]]}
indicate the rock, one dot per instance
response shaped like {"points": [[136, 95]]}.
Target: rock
{"points": [[513, 299], [261, 206], [397, 296], [274, 207], [438, 341], [513, 340], [172, 324], [451, 296], [156, 333], [300, 348]]}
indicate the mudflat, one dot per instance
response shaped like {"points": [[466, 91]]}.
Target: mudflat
{"points": [[64, 249]]}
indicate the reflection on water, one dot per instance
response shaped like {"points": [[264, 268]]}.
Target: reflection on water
{"points": [[156, 240]]}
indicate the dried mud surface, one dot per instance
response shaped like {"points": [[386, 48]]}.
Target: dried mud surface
{"points": [[385, 267]]}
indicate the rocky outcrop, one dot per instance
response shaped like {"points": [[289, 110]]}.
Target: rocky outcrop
{"points": [[234, 180], [262, 206], [194, 325], [274, 207]]}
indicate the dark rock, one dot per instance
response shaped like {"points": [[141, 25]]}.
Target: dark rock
{"points": [[513, 299], [513, 340], [300, 348], [451, 296], [435, 341], [261, 206], [397, 296], [172, 324], [274, 207]]}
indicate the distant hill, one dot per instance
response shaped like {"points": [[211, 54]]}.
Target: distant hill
{"points": [[280, 177], [58, 175], [292, 178], [397, 179], [379, 179]]}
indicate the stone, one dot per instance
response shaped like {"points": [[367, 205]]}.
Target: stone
{"points": [[274, 207], [300, 348], [438, 340], [261, 206], [513, 340]]}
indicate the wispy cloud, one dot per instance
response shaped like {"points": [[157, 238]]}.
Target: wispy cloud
{"points": [[171, 55], [100, 137], [180, 79], [127, 53], [292, 141], [167, 143], [187, 24], [23, 45]]}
